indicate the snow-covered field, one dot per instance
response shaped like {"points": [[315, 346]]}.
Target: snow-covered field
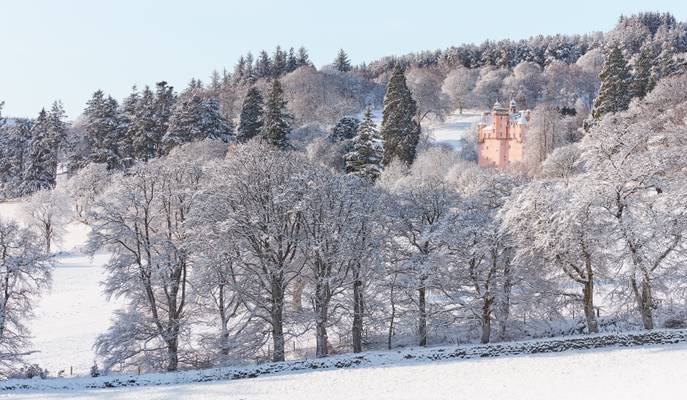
{"points": [[74, 311], [637, 373], [453, 130]]}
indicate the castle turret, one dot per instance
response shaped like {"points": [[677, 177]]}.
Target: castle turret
{"points": [[513, 106]]}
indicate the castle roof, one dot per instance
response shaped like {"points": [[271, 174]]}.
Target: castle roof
{"points": [[498, 107]]}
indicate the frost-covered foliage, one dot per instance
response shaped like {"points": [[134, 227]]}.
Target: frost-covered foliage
{"points": [[25, 268], [47, 212]]}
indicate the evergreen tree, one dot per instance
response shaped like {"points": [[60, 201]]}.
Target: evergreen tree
{"points": [[128, 121], [614, 93], [291, 61], [666, 64], [400, 130], [641, 81], [341, 62], [165, 99], [252, 111], [263, 66], [345, 129], [303, 59], [103, 130], [249, 75], [240, 70], [278, 62], [193, 119], [365, 159], [276, 123], [144, 132], [41, 170]]}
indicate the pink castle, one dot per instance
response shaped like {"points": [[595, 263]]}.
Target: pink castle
{"points": [[500, 137]]}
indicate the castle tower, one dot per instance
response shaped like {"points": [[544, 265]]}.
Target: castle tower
{"points": [[500, 142]]}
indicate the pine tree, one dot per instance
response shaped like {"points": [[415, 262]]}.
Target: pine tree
{"points": [[249, 76], [641, 81], [278, 62], [303, 59], [41, 171], [263, 66], [165, 99], [252, 111], [276, 122], [365, 159], [341, 62], [144, 132], [103, 130], [345, 129], [291, 61], [240, 70], [194, 119], [666, 64], [614, 93], [128, 121], [400, 130]]}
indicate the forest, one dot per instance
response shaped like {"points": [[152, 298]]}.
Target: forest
{"points": [[271, 206]]}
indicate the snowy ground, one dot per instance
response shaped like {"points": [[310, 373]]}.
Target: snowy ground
{"points": [[637, 373], [74, 311], [454, 129]]}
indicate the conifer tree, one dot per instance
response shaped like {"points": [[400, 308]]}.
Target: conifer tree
{"points": [[263, 66], [400, 130], [291, 61], [194, 119], [144, 131], [278, 62], [276, 123], [365, 159], [240, 70], [666, 64], [165, 99], [250, 124], [341, 62], [641, 80], [103, 130], [345, 129], [303, 59], [41, 170], [614, 93], [249, 75]]}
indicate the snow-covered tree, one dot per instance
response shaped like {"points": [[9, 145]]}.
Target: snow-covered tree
{"points": [[345, 129], [48, 211], [25, 269], [614, 94], [141, 220], [400, 129], [252, 111], [276, 124], [341, 62], [365, 157]]}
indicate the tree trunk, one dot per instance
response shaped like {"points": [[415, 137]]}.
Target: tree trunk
{"points": [[504, 305], [277, 316], [172, 353], [589, 312], [486, 320], [358, 311], [321, 310], [422, 320], [297, 299], [644, 299]]}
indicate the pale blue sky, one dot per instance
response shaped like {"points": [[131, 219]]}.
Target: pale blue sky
{"points": [[66, 49]]}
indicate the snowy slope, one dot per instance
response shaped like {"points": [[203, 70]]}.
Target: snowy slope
{"points": [[70, 316], [454, 129], [637, 373]]}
